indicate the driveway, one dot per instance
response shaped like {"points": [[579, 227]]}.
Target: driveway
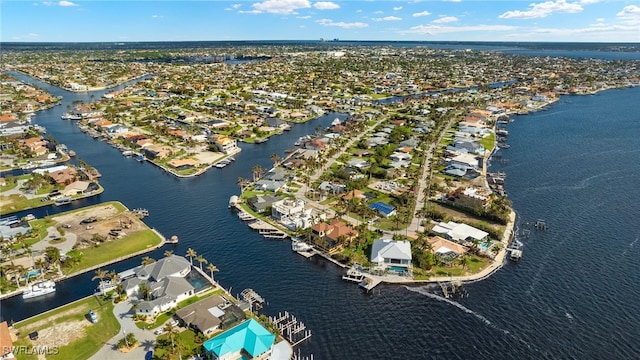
{"points": [[146, 338]]}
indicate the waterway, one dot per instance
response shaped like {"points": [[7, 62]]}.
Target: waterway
{"points": [[573, 295]]}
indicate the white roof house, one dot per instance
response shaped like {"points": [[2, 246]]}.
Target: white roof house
{"points": [[388, 252], [459, 232]]}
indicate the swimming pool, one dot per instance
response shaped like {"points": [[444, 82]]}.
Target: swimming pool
{"points": [[31, 274]]}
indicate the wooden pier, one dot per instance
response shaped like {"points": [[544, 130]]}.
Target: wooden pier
{"points": [[267, 230], [292, 330], [368, 283]]}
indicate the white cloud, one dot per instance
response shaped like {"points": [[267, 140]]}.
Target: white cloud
{"points": [[439, 29], [344, 25], [587, 2], [29, 36], [60, 3], [280, 6], [397, 8], [304, 17], [629, 10], [630, 15], [156, 16], [452, 0], [387, 18], [445, 20], [326, 5], [543, 9], [233, 7], [423, 13], [600, 19]]}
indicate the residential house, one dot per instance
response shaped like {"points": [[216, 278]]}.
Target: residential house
{"points": [[166, 282], [383, 209], [261, 203], [7, 337], [205, 315], [460, 233], [183, 164], [287, 207], [224, 143], [445, 248], [155, 151], [469, 198], [246, 340], [331, 237], [388, 254]]}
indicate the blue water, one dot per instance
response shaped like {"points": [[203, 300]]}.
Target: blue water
{"points": [[574, 294]]}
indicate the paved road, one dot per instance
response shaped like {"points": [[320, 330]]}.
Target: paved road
{"points": [[146, 338]]}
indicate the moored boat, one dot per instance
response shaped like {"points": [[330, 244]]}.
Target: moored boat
{"points": [[62, 201], [39, 289]]}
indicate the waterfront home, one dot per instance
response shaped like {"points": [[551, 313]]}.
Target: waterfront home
{"points": [[287, 207], [248, 338], [205, 315], [460, 233], [470, 198], [383, 208], [155, 151], [224, 143], [270, 185], [446, 249], [388, 254], [331, 187], [166, 282], [331, 237], [183, 164], [260, 203]]}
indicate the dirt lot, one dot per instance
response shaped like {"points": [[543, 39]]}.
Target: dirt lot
{"points": [[104, 220]]}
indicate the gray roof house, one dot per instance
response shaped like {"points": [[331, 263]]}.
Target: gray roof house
{"points": [[166, 281], [260, 203], [205, 315]]}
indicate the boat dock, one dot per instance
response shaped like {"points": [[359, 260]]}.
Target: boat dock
{"points": [[290, 328], [267, 230], [516, 254], [368, 283]]}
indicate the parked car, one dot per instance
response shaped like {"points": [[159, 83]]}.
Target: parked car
{"points": [[158, 331], [174, 322], [93, 317]]}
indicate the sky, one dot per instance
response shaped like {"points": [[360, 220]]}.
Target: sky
{"points": [[415, 20]]}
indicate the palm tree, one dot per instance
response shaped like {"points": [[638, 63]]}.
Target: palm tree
{"points": [[100, 274], [464, 261], [168, 253], [144, 291], [212, 268], [256, 171], [113, 276], [201, 260], [147, 260], [275, 159], [242, 182], [191, 254]]}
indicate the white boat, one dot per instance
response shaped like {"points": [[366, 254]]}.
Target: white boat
{"points": [[128, 153], [233, 201], [297, 245], [39, 289], [62, 201]]}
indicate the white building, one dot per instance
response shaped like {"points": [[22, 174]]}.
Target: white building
{"points": [[386, 253], [460, 233]]}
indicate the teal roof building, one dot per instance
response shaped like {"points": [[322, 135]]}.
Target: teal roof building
{"points": [[249, 337]]}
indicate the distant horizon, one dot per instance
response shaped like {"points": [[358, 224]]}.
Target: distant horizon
{"points": [[320, 41], [563, 21]]}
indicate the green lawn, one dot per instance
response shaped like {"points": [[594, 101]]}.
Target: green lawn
{"points": [[95, 335], [114, 249], [19, 202], [488, 142]]}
